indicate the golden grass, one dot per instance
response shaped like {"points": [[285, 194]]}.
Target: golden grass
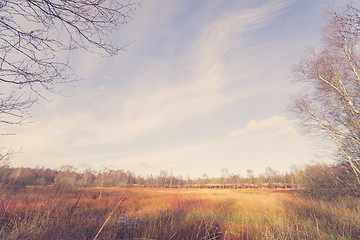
{"points": [[175, 214]]}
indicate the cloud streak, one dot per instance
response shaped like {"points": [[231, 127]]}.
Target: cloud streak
{"points": [[204, 75], [163, 92], [157, 97], [279, 126]]}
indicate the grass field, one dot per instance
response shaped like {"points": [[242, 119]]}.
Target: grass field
{"points": [[136, 213]]}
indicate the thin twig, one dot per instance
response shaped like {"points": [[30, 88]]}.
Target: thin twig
{"points": [[107, 219]]}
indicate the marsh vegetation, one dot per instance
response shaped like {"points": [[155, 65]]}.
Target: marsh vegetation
{"points": [[146, 213]]}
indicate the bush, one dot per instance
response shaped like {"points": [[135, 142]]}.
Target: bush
{"points": [[329, 181]]}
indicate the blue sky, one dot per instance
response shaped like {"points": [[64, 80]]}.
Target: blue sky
{"points": [[202, 86]]}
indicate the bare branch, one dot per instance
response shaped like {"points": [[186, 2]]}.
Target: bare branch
{"points": [[331, 104], [35, 33]]}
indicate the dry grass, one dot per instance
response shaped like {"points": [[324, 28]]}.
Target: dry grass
{"points": [[175, 214]]}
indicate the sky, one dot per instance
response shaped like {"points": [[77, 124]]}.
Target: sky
{"points": [[201, 86]]}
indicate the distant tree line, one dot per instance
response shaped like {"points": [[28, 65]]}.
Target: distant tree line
{"points": [[317, 180]]}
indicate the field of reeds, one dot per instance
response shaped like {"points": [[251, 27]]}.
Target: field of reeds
{"points": [[138, 213]]}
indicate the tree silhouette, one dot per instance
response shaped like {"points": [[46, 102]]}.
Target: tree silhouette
{"points": [[331, 99], [35, 35]]}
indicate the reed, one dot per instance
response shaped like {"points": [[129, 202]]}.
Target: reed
{"points": [[174, 214]]}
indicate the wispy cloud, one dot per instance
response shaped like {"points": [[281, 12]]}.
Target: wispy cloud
{"points": [[277, 125], [159, 97], [215, 68], [204, 73], [286, 131]]}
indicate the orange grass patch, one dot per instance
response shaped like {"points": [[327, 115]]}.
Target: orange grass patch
{"points": [[175, 214]]}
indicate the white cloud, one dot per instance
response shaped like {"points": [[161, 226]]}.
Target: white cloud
{"points": [[238, 154], [160, 97], [287, 131], [279, 124], [165, 91], [204, 74]]}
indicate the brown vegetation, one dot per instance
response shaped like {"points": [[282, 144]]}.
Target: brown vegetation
{"points": [[68, 176], [44, 213], [320, 181]]}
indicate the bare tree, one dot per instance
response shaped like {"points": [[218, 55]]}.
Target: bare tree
{"points": [[5, 156], [331, 98], [270, 174], [250, 175], [36, 37]]}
